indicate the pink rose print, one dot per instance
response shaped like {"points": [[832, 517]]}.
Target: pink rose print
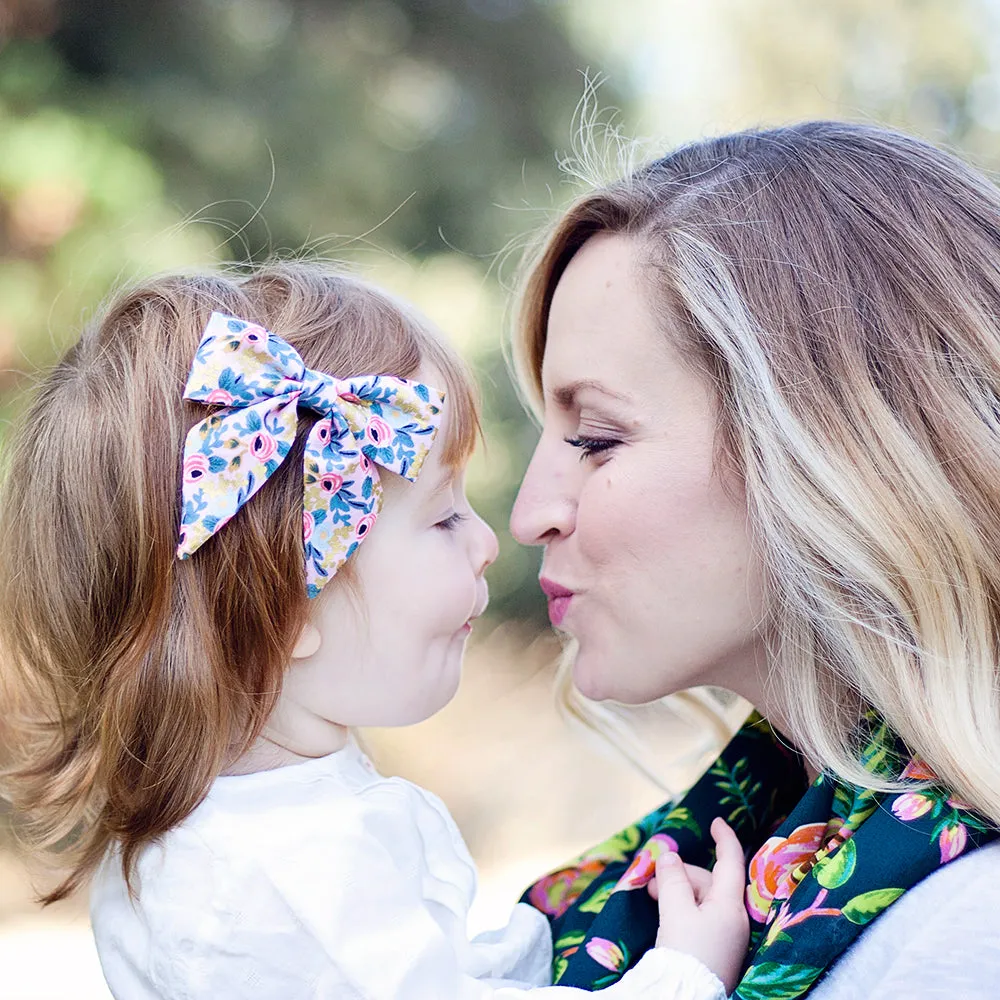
{"points": [[263, 446], [643, 865], [606, 953], [379, 432], [364, 526], [323, 431], [219, 397], [365, 462], [195, 467], [350, 397], [331, 483], [772, 867], [253, 334], [952, 842], [307, 525], [911, 806]]}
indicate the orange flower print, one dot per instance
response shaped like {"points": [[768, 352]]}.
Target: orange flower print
{"points": [[918, 771], [772, 867]]}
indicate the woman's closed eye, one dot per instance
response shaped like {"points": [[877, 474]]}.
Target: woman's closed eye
{"points": [[591, 445]]}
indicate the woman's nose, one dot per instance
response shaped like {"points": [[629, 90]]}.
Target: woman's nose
{"points": [[544, 508]]}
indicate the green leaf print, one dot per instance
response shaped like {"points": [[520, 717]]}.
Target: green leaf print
{"points": [[736, 783], [558, 969], [570, 939], [833, 872], [682, 817], [776, 981], [866, 907], [596, 902]]}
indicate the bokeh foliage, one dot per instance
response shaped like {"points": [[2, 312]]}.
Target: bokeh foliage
{"points": [[414, 138], [403, 136]]}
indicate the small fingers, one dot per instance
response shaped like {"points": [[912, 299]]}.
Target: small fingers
{"points": [[674, 890], [729, 876], [700, 879]]}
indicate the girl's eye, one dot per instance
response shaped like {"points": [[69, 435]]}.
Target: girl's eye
{"points": [[591, 446], [452, 521]]}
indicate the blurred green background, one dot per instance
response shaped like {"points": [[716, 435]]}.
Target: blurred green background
{"points": [[416, 139], [420, 141]]}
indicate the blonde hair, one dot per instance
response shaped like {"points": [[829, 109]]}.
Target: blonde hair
{"points": [[135, 676], [839, 285]]}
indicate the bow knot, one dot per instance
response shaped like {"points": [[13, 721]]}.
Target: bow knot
{"points": [[261, 383]]}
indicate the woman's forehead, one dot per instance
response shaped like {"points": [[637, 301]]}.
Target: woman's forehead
{"points": [[603, 338]]}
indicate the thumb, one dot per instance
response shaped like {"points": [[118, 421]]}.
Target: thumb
{"points": [[675, 892]]}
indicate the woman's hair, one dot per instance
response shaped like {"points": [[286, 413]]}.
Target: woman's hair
{"points": [[839, 286], [134, 676]]}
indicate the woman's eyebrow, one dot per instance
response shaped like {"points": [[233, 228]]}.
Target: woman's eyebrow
{"points": [[566, 396]]}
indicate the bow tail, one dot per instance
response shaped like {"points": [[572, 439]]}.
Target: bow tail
{"points": [[342, 496], [228, 456]]}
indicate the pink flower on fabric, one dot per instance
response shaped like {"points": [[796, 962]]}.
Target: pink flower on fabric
{"points": [[911, 806], [331, 483], [772, 867], [952, 842], [378, 432], [307, 525], [365, 462], [219, 397], [324, 432], [557, 892], [351, 397], [195, 467], [253, 334], [643, 866], [606, 953], [364, 525], [263, 446]]}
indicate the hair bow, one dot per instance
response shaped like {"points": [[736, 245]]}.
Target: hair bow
{"points": [[261, 383]]}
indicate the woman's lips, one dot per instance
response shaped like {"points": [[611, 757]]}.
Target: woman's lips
{"points": [[559, 599]]}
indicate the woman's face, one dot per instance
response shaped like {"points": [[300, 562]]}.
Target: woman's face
{"points": [[648, 561]]}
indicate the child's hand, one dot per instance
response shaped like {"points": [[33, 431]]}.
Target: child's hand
{"points": [[701, 912]]}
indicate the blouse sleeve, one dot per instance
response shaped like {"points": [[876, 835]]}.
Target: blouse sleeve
{"points": [[359, 928]]}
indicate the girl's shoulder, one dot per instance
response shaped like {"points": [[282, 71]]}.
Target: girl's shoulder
{"points": [[941, 938]]}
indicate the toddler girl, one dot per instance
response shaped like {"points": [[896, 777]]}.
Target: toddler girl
{"points": [[234, 528]]}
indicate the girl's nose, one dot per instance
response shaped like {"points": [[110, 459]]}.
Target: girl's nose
{"points": [[487, 546]]}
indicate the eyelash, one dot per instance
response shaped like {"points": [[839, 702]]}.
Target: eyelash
{"points": [[451, 522], [592, 446]]}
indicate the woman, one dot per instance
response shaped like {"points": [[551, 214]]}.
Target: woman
{"points": [[768, 367]]}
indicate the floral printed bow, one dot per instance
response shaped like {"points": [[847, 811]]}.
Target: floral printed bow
{"points": [[261, 383]]}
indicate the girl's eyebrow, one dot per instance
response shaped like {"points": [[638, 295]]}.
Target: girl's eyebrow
{"points": [[566, 396]]}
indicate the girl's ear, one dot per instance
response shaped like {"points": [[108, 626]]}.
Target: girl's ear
{"points": [[308, 642]]}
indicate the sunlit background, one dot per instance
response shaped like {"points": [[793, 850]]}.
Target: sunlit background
{"points": [[420, 141]]}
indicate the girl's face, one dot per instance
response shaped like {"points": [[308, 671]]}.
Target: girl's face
{"points": [[390, 644], [648, 560]]}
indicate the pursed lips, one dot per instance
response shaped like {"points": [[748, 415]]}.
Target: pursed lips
{"points": [[559, 598]]}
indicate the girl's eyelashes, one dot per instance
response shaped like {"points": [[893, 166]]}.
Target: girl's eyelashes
{"points": [[452, 521], [590, 445]]}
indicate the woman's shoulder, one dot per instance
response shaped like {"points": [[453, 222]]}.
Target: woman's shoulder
{"points": [[941, 935]]}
